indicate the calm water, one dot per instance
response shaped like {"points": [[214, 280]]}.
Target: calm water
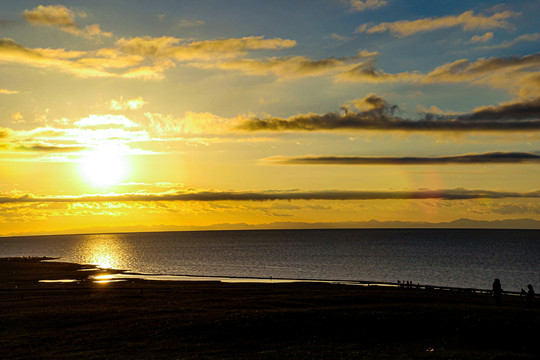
{"points": [[461, 258]]}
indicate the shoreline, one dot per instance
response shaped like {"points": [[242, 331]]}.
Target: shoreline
{"points": [[147, 319], [111, 274]]}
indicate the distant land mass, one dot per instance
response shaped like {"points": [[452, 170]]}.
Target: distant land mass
{"points": [[526, 224]]}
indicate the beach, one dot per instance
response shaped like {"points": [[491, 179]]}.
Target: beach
{"points": [[142, 319]]}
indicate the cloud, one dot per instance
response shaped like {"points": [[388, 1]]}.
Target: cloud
{"points": [[288, 67], [521, 38], [517, 74], [8, 92], [366, 72], [60, 17], [207, 196], [132, 104], [191, 23], [89, 136], [50, 148], [482, 38], [174, 48], [517, 110], [379, 115], [464, 70], [40, 148], [135, 58], [106, 120], [370, 102], [467, 21], [101, 63], [12, 52], [358, 5], [191, 123], [4, 133], [486, 158], [53, 15]]}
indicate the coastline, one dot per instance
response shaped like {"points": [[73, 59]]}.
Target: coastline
{"points": [[214, 320]]}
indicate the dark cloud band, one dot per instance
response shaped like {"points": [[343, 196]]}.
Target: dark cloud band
{"points": [[207, 196], [486, 158], [519, 116]]}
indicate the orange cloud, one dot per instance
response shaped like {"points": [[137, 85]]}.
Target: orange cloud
{"points": [[61, 17], [482, 38]]}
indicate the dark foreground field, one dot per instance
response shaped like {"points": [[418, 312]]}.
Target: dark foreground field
{"points": [[201, 320]]}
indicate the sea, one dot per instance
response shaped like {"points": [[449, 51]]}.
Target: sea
{"points": [[436, 257]]}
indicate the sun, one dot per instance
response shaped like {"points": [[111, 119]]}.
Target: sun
{"points": [[104, 167]]}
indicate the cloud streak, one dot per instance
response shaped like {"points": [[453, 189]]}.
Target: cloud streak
{"points": [[175, 48], [467, 21], [465, 159], [289, 67], [359, 5], [337, 195], [8, 92], [518, 74], [40, 148]]}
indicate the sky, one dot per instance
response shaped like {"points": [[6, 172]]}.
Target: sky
{"points": [[178, 115]]}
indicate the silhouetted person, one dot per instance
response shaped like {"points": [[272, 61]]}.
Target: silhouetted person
{"points": [[530, 296], [497, 291]]}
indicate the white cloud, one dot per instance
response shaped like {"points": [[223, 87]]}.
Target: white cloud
{"points": [[132, 104]]}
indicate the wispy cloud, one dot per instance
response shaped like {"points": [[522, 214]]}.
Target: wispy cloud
{"points": [[359, 5], [135, 58], [39, 148], [8, 92], [78, 63], [521, 38], [178, 49], [482, 38], [191, 23], [169, 126], [485, 158], [61, 17], [131, 104], [273, 195], [517, 74], [107, 121], [467, 21], [292, 67]]}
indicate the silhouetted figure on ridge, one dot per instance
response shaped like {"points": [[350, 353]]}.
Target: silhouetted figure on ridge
{"points": [[497, 291], [530, 296]]}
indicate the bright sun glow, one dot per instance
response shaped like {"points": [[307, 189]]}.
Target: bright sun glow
{"points": [[104, 167]]}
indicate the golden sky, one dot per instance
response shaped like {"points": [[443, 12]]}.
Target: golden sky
{"points": [[147, 116]]}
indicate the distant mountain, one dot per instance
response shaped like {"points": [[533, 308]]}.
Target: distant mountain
{"points": [[372, 224]]}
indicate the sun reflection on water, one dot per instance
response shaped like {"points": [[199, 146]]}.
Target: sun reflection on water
{"points": [[105, 251]]}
